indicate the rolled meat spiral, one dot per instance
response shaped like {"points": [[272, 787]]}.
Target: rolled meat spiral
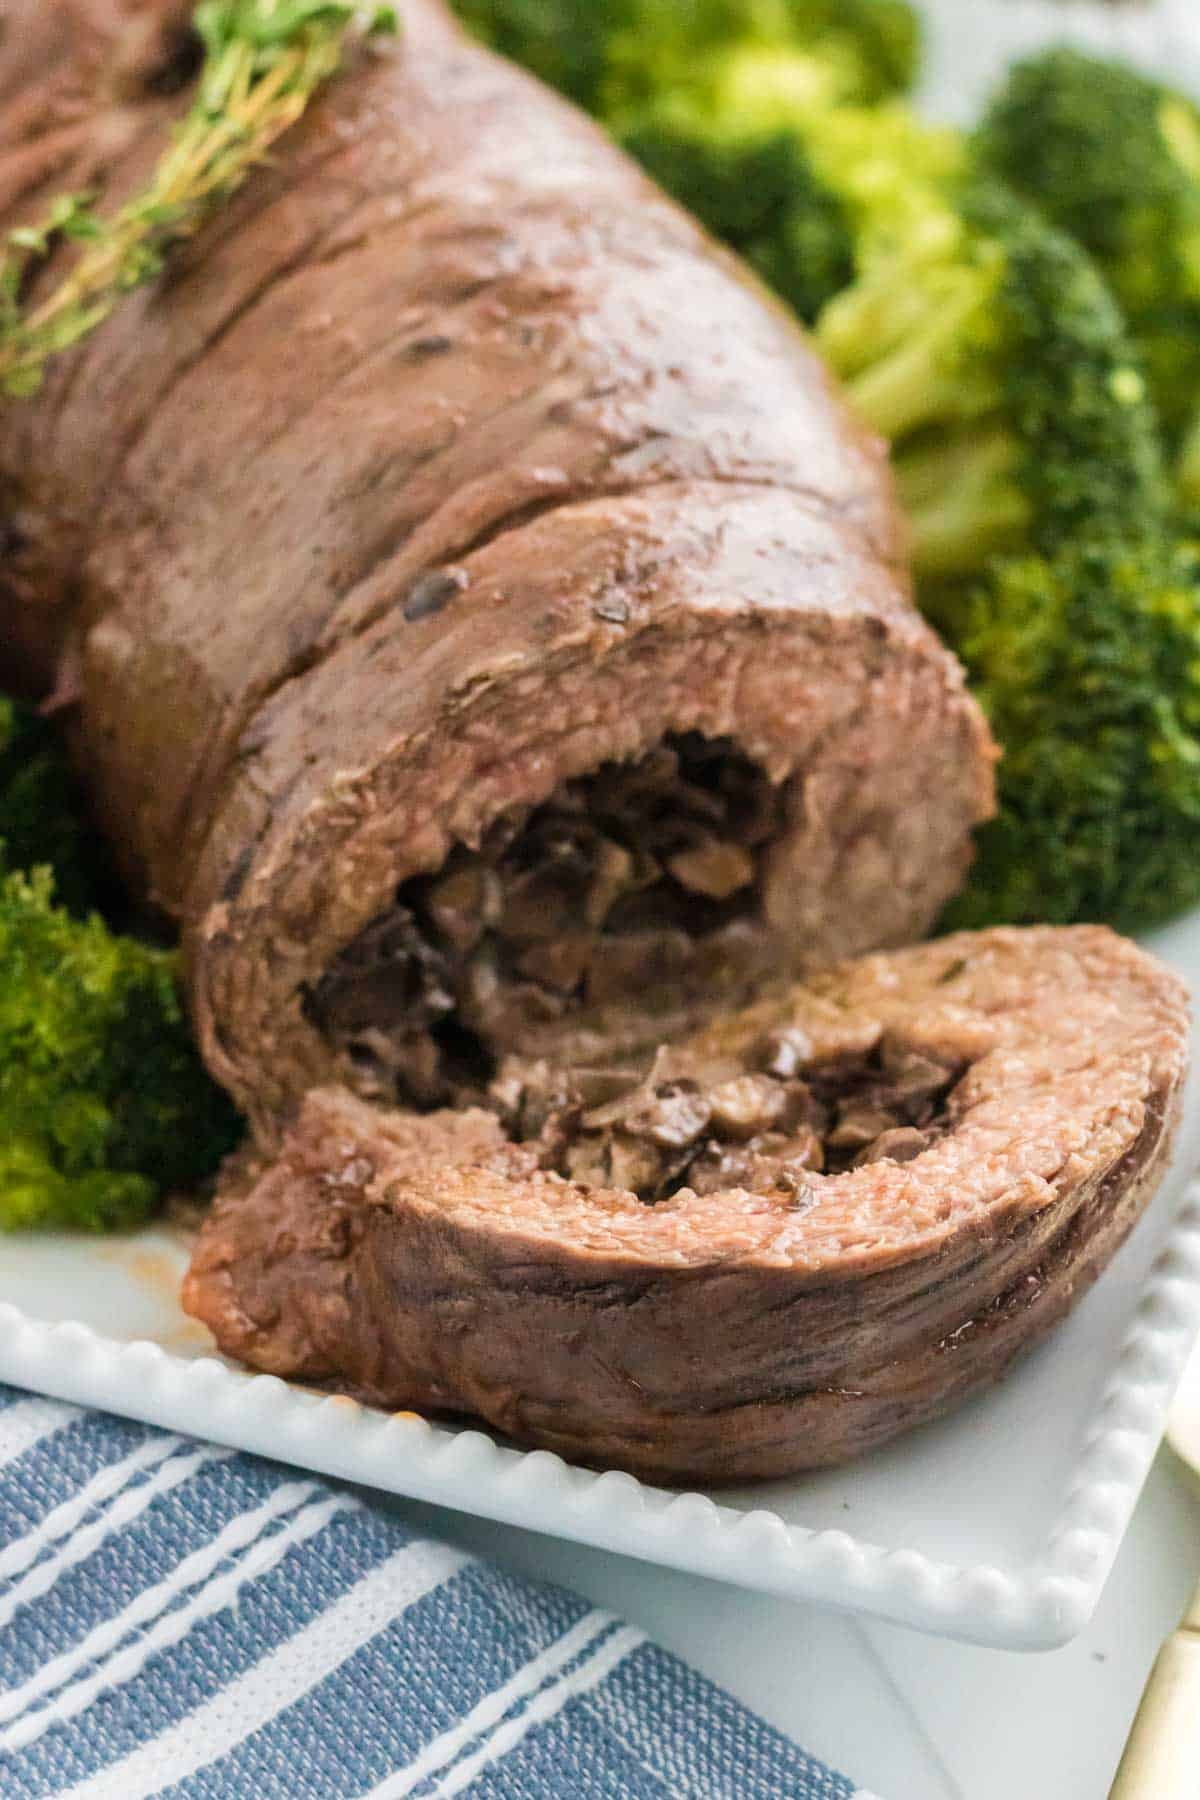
{"points": [[450, 473], [872, 1191]]}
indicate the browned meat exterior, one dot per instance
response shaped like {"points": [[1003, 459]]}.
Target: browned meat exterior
{"points": [[791, 1319], [450, 468]]}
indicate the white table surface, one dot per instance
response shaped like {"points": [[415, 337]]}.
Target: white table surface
{"points": [[909, 1717]]}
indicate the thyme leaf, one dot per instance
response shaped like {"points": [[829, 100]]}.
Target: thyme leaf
{"points": [[263, 61]]}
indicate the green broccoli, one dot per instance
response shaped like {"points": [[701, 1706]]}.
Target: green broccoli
{"points": [[104, 1104], [731, 133], [41, 813], [1114, 158], [758, 192], [1087, 662], [565, 42], [799, 51], [986, 346], [614, 55], [879, 40]]}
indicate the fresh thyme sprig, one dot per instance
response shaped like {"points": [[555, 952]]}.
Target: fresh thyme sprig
{"points": [[263, 60]]}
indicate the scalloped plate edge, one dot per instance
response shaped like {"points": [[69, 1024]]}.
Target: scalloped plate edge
{"points": [[1035, 1607]]}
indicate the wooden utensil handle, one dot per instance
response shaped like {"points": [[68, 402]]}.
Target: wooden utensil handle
{"points": [[1162, 1755]]}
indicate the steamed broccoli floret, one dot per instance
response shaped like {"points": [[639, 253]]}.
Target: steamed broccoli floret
{"points": [[1088, 664], [751, 141], [758, 192], [985, 342], [1114, 158], [41, 818], [882, 39], [986, 346], [794, 52], [613, 55], [565, 42], [104, 1105]]}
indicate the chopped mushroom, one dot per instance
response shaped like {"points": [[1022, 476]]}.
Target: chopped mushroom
{"points": [[710, 1125], [898, 1145], [630, 881], [713, 868]]}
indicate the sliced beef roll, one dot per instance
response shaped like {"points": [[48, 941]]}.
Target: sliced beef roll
{"points": [[479, 623], [797, 1233]]}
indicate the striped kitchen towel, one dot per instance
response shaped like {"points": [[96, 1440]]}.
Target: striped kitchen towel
{"points": [[179, 1619]]}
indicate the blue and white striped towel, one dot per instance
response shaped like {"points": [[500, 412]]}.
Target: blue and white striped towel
{"points": [[178, 1619]]}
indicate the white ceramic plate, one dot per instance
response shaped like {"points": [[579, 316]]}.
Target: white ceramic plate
{"points": [[997, 1525]]}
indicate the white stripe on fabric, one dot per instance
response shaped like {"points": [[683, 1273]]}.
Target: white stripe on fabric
{"points": [[61, 1520], [124, 1509], [550, 1701], [28, 1422], [106, 1637], [126, 1665], [284, 1676], [492, 1708]]}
